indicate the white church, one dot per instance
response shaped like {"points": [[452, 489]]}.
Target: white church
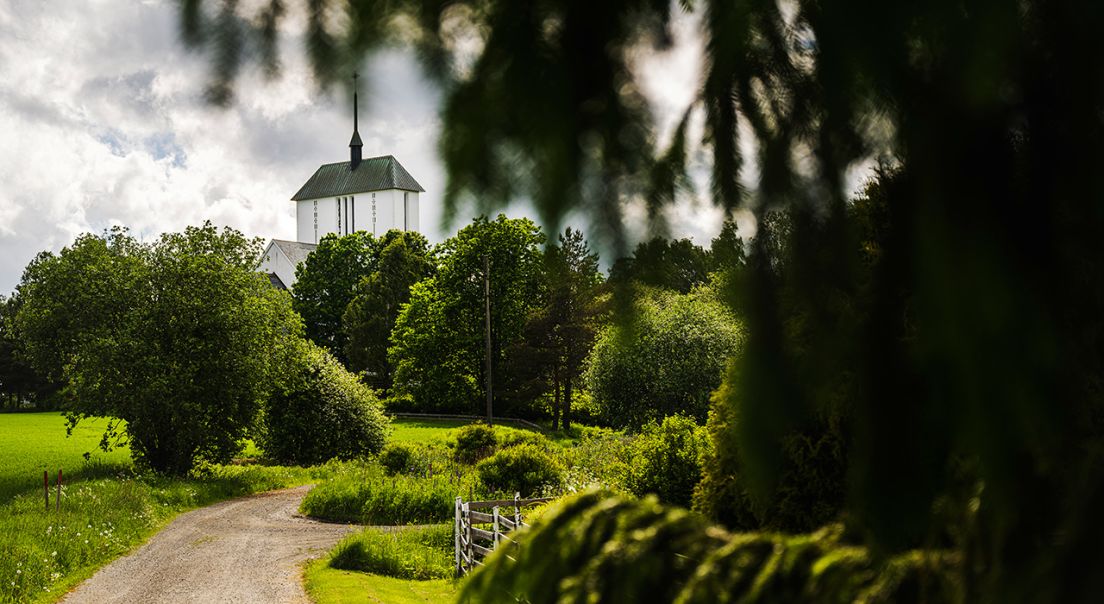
{"points": [[374, 195]]}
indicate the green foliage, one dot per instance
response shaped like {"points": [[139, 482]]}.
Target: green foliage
{"points": [[666, 361], [415, 553], [665, 460], [326, 282], [369, 318], [19, 382], [808, 492], [438, 342], [474, 442], [678, 265], [526, 468], [320, 411], [559, 332], [176, 338], [610, 549], [411, 458], [362, 493]]}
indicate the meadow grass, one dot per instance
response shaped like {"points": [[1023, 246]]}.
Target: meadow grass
{"points": [[361, 492], [327, 585], [107, 507], [415, 553]]}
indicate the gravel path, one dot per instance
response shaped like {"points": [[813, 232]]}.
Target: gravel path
{"points": [[243, 551]]}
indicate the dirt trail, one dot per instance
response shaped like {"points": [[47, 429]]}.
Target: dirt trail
{"points": [[242, 551]]}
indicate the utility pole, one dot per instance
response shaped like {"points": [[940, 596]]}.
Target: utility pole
{"points": [[487, 332]]}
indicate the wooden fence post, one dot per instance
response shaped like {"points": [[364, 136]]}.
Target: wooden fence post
{"points": [[468, 549], [456, 537], [494, 522], [517, 510]]}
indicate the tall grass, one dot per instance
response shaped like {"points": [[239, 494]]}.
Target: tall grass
{"points": [[361, 492], [415, 553]]}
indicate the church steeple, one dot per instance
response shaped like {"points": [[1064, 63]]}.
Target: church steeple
{"points": [[355, 145]]}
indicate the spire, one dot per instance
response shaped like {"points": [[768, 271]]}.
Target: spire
{"points": [[355, 145]]}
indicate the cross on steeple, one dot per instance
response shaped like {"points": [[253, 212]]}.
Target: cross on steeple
{"points": [[355, 145]]}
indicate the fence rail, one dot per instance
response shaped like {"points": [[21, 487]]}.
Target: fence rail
{"points": [[473, 544], [473, 418]]}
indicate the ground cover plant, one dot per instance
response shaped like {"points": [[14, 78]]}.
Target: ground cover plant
{"points": [[107, 507], [416, 553]]}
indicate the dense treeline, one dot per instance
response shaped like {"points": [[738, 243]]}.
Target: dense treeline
{"points": [[414, 325]]}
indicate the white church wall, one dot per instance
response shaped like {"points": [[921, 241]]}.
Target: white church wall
{"points": [[275, 261], [394, 209]]}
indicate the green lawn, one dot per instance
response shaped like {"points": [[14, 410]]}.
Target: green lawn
{"points": [[326, 585], [33, 442], [424, 430]]}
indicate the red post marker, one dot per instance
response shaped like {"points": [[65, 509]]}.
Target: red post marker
{"points": [[58, 502], [46, 488]]}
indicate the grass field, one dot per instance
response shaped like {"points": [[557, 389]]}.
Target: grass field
{"points": [[327, 585], [424, 431], [33, 442]]}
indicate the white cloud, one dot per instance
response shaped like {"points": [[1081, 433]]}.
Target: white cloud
{"points": [[102, 123]]}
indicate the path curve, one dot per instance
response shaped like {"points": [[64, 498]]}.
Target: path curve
{"points": [[244, 551]]}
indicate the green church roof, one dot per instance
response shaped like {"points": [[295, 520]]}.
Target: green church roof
{"points": [[373, 174]]}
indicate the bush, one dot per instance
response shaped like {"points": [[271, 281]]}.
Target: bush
{"points": [[320, 411], [667, 362], [397, 458], [665, 459], [414, 554], [410, 458], [474, 442], [361, 493], [525, 469]]}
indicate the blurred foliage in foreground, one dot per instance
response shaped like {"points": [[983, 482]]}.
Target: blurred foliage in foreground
{"points": [[956, 355], [597, 547]]}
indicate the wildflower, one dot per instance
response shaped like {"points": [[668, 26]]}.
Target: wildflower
{"points": [[53, 554], [18, 572]]}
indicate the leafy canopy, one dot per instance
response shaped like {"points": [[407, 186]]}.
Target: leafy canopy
{"points": [[176, 338]]}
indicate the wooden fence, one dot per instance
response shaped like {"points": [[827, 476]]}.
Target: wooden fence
{"points": [[473, 544]]}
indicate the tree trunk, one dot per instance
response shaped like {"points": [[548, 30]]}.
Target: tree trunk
{"points": [[566, 405], [556, 404]]}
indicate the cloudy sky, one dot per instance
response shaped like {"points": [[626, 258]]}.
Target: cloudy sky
{"points": [[102, 123]]}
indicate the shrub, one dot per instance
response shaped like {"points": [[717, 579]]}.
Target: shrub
{"points": [[414, 554], [665, 459], [399, 458], [667, 361], [512, 437], [320, 411], [361, 493], [474, 442], [525, 469]]}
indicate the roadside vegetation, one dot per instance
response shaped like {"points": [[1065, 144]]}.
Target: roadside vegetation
{"points": [[107, 506]]}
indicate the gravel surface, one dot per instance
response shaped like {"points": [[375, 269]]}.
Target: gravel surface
{"points": [[243, 551]]}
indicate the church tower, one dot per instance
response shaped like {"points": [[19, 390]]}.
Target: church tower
{"points": [[375, 195]]}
